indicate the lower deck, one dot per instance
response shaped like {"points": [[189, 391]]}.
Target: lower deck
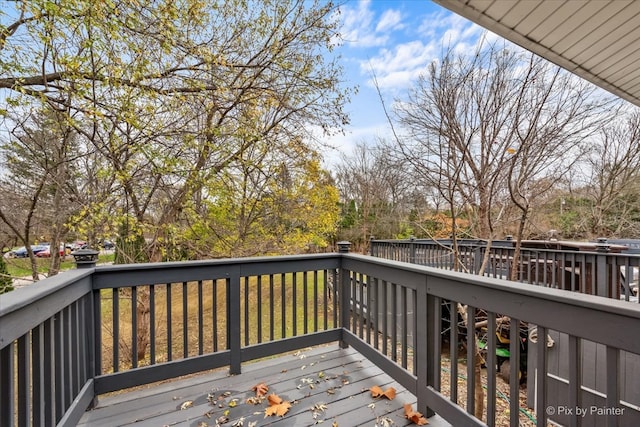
{"points": [[326, 384]]}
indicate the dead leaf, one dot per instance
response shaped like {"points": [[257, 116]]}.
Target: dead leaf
{"points": [[260, 389], [255, 400], [334, 424], [414, 416], [280, 409], [277, 406], [389, 393], [187, 404], [233, 403]]}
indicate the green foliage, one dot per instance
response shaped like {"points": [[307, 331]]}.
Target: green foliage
{"points": [[130, 245], [6, 283], [182, 110]]}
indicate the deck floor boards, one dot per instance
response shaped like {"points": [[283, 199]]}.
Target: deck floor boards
{"points": [[338, 378]]}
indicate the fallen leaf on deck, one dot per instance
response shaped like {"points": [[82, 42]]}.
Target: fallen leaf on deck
{"points": [[384, 422], [389, 393], [187, 404], [252, 423], [414, 416], [260, 389], [334, 424], [233, 403], [277, 406]]}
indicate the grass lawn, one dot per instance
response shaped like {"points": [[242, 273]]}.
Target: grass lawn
{"points": [[21, 267]]}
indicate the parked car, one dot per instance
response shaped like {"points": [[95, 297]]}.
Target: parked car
{"points": [[108, 244], [21, 252], [47, 252]]}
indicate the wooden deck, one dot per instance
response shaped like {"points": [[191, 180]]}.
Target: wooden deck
{"points": [[327, 375]]}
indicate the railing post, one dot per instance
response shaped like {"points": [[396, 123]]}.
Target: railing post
{"points": [[372, 252], [602, 285], [344, 292], [233, 325], [85, 258], [412, 249]]}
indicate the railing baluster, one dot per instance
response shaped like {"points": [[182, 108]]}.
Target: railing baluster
{"points": [[368, 305], [152, 324], [59, 367], [271, 309], [360, 307], [613, 390], [115, 313], [214, 312], [471, 359], [491, 368], [134, 327], [394, 326], [385, 316], [514, 374], [37, 370], [185, 320], [259, 302], [247, 327], [541, 377], [24, 380], [67, 354], [200, 320], [169, 334], [405, 324], [294, 303], [77, 348], [453, 350], [315, 301], [49, 372], [575, 375], [7, 381], [375, 309], [283, 306], [305, 297]]}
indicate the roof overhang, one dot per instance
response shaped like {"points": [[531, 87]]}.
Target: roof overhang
{"points": [[597, 40]]}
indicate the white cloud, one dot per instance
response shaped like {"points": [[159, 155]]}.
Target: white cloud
{"points": [[357, 26], [390, 20]]}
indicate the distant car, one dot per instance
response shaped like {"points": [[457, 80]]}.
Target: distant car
{"points": [[47, 252], [22, 251], [108, 244], [78, 244]]}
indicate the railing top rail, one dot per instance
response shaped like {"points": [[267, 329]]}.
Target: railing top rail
{"points": [[170, 272], [509, 244], [27, 295], [216, 262], [569, 298]]}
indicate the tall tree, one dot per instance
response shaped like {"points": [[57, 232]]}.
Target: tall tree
{"points": [[374, 190], [615, 171]]}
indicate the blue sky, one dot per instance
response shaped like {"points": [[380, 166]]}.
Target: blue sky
{"points": [[395, 40]]}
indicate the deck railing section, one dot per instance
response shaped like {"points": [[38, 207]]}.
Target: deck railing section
{"points": [[612, 275], [46, 350], [210, 314]]}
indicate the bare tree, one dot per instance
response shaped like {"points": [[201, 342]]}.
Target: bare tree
{"points": [[613, 188], [375, 192], [493, 128]]}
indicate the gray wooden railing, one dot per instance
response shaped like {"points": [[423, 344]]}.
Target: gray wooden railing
{"points": [[68, 339], [602, 273]]}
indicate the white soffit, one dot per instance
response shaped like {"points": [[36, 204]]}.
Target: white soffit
{"points": [[599, 40]]}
